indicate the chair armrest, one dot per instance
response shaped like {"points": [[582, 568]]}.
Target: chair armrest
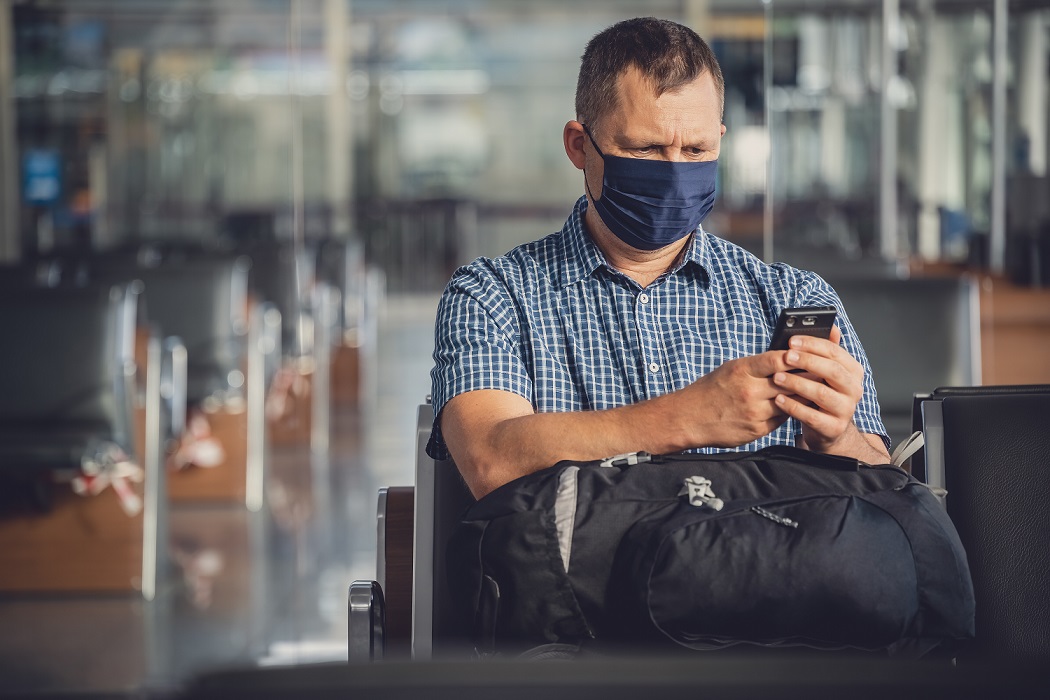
{"points": [[367, 622]]}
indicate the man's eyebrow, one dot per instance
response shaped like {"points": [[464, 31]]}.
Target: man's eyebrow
{"points": [[641, 140]]}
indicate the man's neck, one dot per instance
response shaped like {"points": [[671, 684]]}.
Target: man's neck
{"points": [[643, 266]]}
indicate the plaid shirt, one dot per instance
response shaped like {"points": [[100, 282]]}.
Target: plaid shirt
{"points": [[551, 321]]}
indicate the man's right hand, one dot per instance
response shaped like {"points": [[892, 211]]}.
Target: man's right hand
{"points": [[735, 404]]}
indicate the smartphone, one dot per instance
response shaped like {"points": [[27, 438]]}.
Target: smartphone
{"points": [[815, 321]]}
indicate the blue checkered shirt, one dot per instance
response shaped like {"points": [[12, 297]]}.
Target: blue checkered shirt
{"points": [[552, 322]]}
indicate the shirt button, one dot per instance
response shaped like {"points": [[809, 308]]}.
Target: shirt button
{"points": [[644, 298], [653, 367]]}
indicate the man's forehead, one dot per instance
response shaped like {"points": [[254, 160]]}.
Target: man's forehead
{"points": [[633, 80], [638, 105]]}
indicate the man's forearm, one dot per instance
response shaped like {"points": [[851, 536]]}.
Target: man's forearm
{"points": [[527, 443], [495, 436]]}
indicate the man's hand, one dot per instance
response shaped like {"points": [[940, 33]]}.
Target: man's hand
{"points": [[735, 404], [825, 395]]}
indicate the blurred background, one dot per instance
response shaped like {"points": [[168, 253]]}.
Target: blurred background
{"points": [[131, 120], [348, 155]]}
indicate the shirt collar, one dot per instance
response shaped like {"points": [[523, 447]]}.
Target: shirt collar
{"points": [[581, 256]]}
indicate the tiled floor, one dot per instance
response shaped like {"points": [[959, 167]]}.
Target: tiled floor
{"points": [[266, 588]]}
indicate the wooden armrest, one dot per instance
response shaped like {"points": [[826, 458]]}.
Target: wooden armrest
{"points": [[394, 565]]}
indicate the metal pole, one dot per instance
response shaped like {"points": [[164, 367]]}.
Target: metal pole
{"points": [[255, 480], [767, 86], [297, 186], [888, 245], [337, 120], [10, 234], [997, 242], [153, 462]]}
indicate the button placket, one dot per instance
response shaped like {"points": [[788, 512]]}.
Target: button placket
{"points": [[650, 343]]}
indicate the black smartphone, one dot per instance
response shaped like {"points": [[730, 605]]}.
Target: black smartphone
{"points": [[815, 321]]}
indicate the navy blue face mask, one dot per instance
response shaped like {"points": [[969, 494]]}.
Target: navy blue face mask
{"points": [[650, 204]]}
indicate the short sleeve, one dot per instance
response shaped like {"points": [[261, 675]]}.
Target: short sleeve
{"points": [[476, 344]]}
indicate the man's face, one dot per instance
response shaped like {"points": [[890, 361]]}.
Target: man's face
{"points": [[684, 125]]}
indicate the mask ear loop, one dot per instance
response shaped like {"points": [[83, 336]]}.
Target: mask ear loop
{"points": [[587, 185]]}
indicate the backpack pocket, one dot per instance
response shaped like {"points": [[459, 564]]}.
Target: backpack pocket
{"points": [[823, 571], [508, 571]]}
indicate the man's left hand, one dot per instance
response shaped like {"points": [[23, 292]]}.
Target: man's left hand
{"points": [[824, 396]]}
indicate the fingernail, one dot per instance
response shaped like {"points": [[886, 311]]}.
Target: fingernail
{"points": [[795, 341], [780, 399], [792, 356], [779, 377]]}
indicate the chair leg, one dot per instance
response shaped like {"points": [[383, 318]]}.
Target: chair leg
{"points": [[367, 620]]}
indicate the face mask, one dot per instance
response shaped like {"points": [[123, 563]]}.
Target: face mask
{"points": [[649, 204]]}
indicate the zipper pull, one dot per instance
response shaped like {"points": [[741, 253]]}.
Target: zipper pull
{"points": [[627, 459]]}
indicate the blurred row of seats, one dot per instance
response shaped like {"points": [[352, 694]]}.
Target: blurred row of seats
{"points": [[156, 373]]}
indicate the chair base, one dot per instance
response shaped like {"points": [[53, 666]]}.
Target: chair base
{"points": [[346, 375], [366, 622], [83, 544], [225, 482]]}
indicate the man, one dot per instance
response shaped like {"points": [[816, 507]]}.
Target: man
{"points": [[633, 328]]}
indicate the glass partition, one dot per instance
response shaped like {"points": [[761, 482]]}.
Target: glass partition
{"points": [[946, 146], [430, 133], [824, 101], [909, 131]]}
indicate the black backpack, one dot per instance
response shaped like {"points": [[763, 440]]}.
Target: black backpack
{"points": [[780, 547]]}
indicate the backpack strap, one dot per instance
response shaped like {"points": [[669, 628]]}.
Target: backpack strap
{"points": [[907, 448]]}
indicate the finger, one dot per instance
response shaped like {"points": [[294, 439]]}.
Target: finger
{"points": [[775, 418], [846, 370], [817, 393], [767, 364], [836, 335], [824, 424], [843, 377], [825, 347]]}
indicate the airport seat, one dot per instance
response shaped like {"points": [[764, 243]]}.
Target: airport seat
{"points": [[63, 357], [989, 447], [285, 275], [340, 264], [66, 423], [203, 298], [917, 332], [414, 527]]}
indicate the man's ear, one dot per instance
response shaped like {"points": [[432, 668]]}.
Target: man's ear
{"points": [[574, 137]]}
